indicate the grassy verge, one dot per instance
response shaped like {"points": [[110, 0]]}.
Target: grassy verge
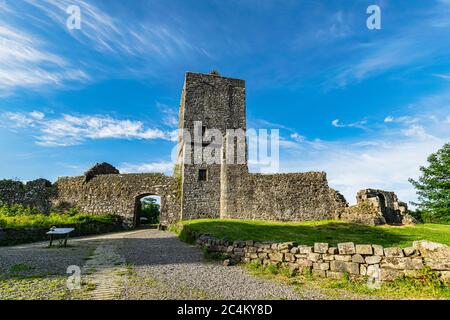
{"points": [[309, 232], [53, 219], [19, 224], [425, 286]]}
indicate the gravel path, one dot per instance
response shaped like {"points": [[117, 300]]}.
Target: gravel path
{"points": [[143, 264]]}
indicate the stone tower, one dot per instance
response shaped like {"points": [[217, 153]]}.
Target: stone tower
{"points": [[209, 103]]}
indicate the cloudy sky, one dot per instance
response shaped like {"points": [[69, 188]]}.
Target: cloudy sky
{"points": [[366, 106]]}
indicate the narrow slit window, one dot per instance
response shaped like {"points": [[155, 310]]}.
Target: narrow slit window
{"points": [[202, 175]]}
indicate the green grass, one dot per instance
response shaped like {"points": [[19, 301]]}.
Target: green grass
{"points": [[309, 232], [53, 219], [426, 284]]}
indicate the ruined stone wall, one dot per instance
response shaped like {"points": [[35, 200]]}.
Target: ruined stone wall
{"points": [[36, 194], [323, 260], [284, 197], [376, 207], [119, 193]]}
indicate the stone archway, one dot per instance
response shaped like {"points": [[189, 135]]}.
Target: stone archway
{"points": [[139, 204], [382, 202]]}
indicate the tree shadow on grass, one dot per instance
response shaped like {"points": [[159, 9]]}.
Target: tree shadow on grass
{"points": [[329, 232]]}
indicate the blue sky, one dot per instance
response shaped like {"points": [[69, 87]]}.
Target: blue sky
{"points": [[366, 106]]}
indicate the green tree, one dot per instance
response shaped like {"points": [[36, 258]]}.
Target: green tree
{"points": [[150, 210], [433, 187]]}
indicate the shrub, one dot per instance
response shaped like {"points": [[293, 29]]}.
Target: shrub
{"points": [[17, 210]]}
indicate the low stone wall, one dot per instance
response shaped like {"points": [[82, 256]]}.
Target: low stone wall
{"points": [[384, 264]]}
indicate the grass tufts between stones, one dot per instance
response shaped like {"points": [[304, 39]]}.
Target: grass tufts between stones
{"points": [[425, 284]]}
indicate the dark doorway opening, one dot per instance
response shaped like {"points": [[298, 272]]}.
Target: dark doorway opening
{"points": [[147, 211]]}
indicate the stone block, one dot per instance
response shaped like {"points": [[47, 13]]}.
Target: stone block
{"points": [[363, 269], [263, 255], [286, 246], [320, 247], [373, 271], [289, 257], [438, 263], [319, 273], [365, 249], [239, 243], [445, 276], [304, 263], [328, 257], [324, 266], [314, 256], [305, 249], [402, 263], [333, 250], [341, 266], [389, 274], [425, 246], [373, 259], [346, 248], [358, 258], [409, 251], [295, 250], [393, 252], [378, 250], [335, 275], [251, 249], [276, 257], [346, 257]]}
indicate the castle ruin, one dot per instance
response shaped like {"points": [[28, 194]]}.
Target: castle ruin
{"points": [[220, 190]]}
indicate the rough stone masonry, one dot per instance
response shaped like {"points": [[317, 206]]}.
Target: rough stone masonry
{"points": [[323, 260], [217, 190]]}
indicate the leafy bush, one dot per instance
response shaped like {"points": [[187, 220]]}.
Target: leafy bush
{"points": [[427, 217], [150, 210], [19, 216], [17, 210]]}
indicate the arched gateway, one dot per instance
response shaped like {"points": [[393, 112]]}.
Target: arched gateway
{"points": [[117, 194]]}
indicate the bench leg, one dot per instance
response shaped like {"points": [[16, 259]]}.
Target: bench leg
{"points": [[51, 240], [65, 240]]}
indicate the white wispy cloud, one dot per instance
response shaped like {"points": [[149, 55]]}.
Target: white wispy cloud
{"points": [[401, 48], [25, 61], [119, 35], [359, 124], [170, 114], [442, 76], [70, 130], [163, 167], [31, 54], [388, 153], [297, 137]]}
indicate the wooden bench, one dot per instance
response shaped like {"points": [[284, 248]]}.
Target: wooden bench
{"points": [[60, 231]]}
